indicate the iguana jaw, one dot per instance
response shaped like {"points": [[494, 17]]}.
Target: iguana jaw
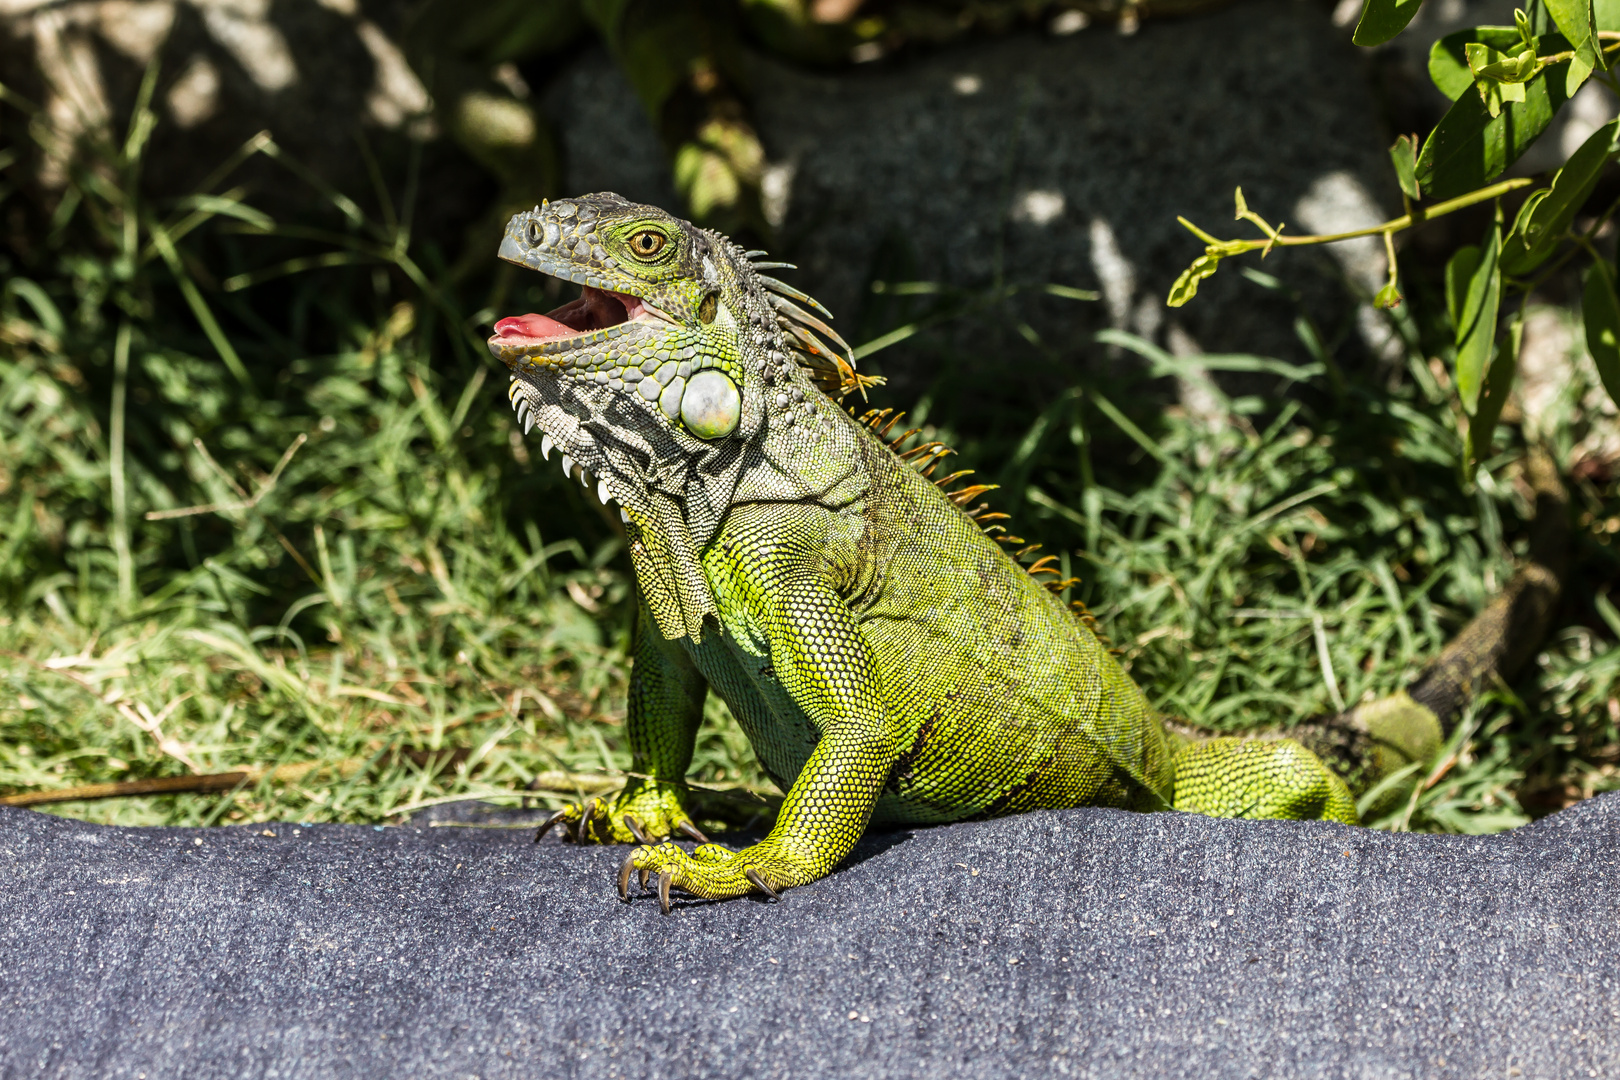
{"points": [[596, 309]]}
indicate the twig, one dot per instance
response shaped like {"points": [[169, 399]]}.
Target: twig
{"points": [[1405, 221], [247, 503], [165, 785]]}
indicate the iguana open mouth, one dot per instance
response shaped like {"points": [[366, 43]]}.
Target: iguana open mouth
{"points": [[596, 309]]}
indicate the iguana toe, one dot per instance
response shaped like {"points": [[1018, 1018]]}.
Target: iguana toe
{"points": [[640, 814], [664, 880], [584, 831], [711, 854]]}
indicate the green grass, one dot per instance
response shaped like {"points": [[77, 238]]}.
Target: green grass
{"points": [[354, 569]]}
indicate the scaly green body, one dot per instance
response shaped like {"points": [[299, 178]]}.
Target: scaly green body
{"points": [[887, 659]]}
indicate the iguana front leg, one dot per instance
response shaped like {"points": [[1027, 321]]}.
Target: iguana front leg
{"points": [[665, 710], [823, 664]]}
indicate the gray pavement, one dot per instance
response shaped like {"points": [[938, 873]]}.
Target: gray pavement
{"points": [[1087, 943]]}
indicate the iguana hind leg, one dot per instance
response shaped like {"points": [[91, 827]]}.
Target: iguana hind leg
{"points": [[1260, 778]]}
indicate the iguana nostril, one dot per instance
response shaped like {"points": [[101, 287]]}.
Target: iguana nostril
{"points": [[711, 406]]}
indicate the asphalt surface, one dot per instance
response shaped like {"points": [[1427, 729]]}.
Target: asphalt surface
{"points": [[1063, 943]]}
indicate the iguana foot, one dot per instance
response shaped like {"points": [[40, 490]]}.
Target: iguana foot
{"points": [[645, 812], [711, 871]]}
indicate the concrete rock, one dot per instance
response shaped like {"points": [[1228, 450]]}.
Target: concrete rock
{"points": [[1088, 943], [319, 77], [1033, 158], [1062, 160]]}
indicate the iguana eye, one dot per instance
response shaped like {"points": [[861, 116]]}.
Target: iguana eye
{"points": [[647, 243], [532, 233]]}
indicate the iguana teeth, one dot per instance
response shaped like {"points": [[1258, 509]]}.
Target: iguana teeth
{"points": [[568, 466], [624, 517], [545, 446], [584, 478], [523, 414], [602, 492], [528, 422]]}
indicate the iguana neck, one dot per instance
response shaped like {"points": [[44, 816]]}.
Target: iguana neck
{"points": [[810, 455]]}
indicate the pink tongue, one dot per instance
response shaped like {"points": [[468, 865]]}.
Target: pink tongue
{"points": [[531, 326]]}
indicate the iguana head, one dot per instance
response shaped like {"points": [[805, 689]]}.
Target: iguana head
{"points": [[667, 375]]}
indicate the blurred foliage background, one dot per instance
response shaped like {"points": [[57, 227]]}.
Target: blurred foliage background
{"points": [[262, 512]]}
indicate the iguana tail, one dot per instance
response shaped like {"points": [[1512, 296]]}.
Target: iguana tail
{"points": [[1388, 734]]}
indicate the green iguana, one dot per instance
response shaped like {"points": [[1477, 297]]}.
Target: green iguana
{"points": [[888, 660]]}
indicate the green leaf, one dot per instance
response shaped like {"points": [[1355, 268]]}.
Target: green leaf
{"points": [[1403, 155], [1526, 33], [1383, 19], [1580, 69], [1546, 215], [1186, 286], [1474, 308], [1497, 94], [1522, 221], [1606, 14], [1498, 384], [45, 310], [1469, 147], [1448, 57], [1488, 63], [1459, 271], [1388, 297], [1600, 310], [1574, 19]]}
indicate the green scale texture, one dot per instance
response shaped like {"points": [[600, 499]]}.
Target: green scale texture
{"points": [[888, 661]]}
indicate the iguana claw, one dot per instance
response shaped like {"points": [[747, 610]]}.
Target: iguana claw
{"points": [[582, 832], [625, 869], [663, 889], [545, 826], [756, 879], [692, 831], [636, 830]]}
